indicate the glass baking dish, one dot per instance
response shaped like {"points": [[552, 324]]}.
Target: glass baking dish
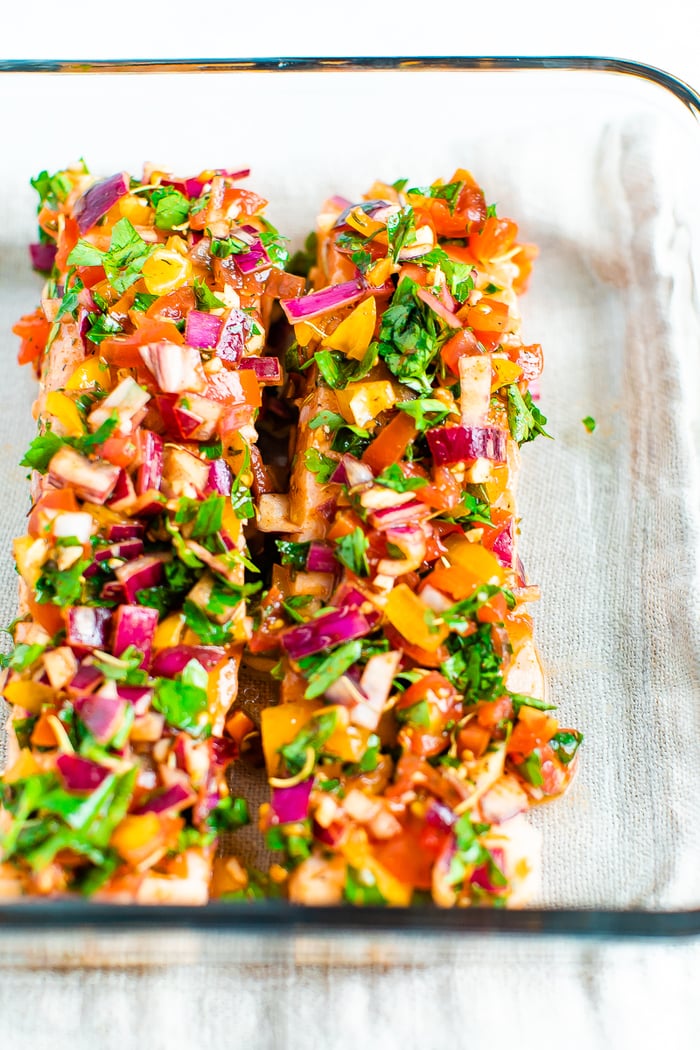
{"points": [[596, 160]]}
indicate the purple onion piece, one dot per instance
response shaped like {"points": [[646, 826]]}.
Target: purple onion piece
{"points": [[151, 470], [125, 531], [42, 256], [220, 477], [440, 816], [256, 258], [87, 626], [134, 576], [175, 797], [457, 444], [168, 663], [234, 334], [102, 715], [85, 679], [503, 545], [291, 804], [138, 695], [98, 199], [338, 626], [321, 558], [202, 329], [135, 625], [80, 774], [322, 302], [267, 369]]}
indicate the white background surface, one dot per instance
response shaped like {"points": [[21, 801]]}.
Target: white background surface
{"points": [[508, 994]]}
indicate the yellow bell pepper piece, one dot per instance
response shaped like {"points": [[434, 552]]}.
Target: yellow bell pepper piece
{"points": [[137, 836], [504, 372], [165, 270], [25, 766], [361, 403], [354, 334], [30, 555], [169, 631], [136, 210], [29, 695], [93, 372], [380, 272], [359, 220], [62, 408], [281, 724], [412, 618], [348, 742], [475, 560], [356, 851]]}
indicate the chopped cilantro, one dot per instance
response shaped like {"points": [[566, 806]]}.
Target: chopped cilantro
{"points": [[392, 477], [426, 411], [410, 338], [206, 300], [313, 735], [124, 260], [589, 423], [351, 550], [231, 813], [361, 887], [524, 418], [172, 207], [565, 744], [293, 554], [322, 466], [183, 705], [322, 669]]}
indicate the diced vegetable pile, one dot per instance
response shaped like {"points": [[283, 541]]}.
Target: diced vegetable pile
{"points": [[321, 495]]}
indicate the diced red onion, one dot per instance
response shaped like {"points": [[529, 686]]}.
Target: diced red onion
{"points": [[123, 490], [291, 804], [91, 480], [143, 572], [457, 444], [342, 625], [267, 369], [42, 256], [438, 308], [346, 691], [234, 335], [322, 302], [127, 550], [102, 715], [502, 546], [167, 663], [138, 695], [321, 558], [98, 199], [80, 774], [392, 517], [175, 797], [87, 626], [220, 477], [150, 472], [85, 679], [202, 329], [256, 258], [439, 815], [128, 399], [112, 592], [125, 530], [176, 368], [135, 625]]}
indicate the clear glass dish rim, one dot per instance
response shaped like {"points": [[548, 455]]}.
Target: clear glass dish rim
{"points": [[348, 64], [273, 916]]}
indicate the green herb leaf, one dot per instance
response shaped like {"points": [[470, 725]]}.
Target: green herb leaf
{"points": [[426, 411], [322, 466], [321, 670], [293, 554], [351, 550], [172, 207], [565, 744], [314, 734], [524, 418], [589, 423], [361, 887], [392, 477], [206, 300], [229, 815], [183, 706]]}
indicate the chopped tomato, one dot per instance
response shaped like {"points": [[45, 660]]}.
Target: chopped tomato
{"points": [[532, 730], [444, 494], [523, 259], [488, 315], [433, 682], [418, 656], [496, 237], [123, 350], [91, 275], [66, 243], [172, 307], [410, 856], [33, 330], [119, 450], [391, 443], [463, 344], [53, 500]]}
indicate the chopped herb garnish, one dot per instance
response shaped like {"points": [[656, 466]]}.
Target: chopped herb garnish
{"points": [[589, 423], [524, 418], [351, 550]]}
